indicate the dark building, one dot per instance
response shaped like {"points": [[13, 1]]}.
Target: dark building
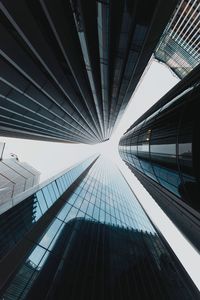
{"points": [[69, 68], [179, 46], [87, 238], [162, 150]]}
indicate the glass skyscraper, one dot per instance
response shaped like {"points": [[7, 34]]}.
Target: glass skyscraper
{"points": [[69, 68], [179, 46], [84, 236], [162, 150]]}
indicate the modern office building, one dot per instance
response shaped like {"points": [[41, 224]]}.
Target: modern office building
{"points": [[69, 68], [162, 150], [179, 46], [84, 235], [15, 178]]}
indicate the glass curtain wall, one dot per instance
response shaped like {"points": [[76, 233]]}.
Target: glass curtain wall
{"points": [[100, 245], [165, 146], [16, 222], [179, 44]]}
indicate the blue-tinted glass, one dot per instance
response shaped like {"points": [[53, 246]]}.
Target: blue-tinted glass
{"points": [[72, 214], [52, 192], [84, 205], [47, 196], [96, 213], [102, 216], [62, 183], [36, 255], [50, 234], [80, 214], [55, 189], [67, 180], [78, 202], [60, 188], [72, 199], [41, 200], [97, 202], [90, 209], [114, 238], [64, 212]]}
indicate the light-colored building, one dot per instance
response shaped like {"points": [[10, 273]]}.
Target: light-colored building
{"points": [[15, 178]]}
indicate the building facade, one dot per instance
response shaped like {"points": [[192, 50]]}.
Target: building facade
{"points": [[162, 150], [84, 235], [15, 178], [68, 69], [179, 46]]}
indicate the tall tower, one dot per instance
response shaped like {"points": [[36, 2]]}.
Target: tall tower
{"points": [[88, 238], [179, 45], [162, 150], [69, 68]]}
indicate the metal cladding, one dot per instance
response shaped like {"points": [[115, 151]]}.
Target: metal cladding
{"points": [[179, 46], [69, 68]]}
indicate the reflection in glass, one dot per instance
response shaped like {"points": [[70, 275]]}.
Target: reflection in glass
{"points": [[185, 149], [173, 155], [17, 221], [100, 246], [102, 261], [169, 149]]}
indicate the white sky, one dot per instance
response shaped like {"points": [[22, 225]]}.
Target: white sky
{"points": [[50, 158]]}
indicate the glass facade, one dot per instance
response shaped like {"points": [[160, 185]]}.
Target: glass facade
{"points": [[164, 147], [16, 222], [179, 44], [99, 245], [162, 150]]}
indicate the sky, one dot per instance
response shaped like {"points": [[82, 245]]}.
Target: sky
{"points": [[50, 158]]}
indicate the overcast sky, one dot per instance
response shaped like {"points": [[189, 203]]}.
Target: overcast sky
{"points": [[50, 158]]}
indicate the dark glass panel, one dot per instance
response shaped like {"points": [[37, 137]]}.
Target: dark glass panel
{"points": [[188, 153], [81, 255], [16, 222], [114, 263]]}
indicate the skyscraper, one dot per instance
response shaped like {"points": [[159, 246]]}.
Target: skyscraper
{"points": [[15, 178], [162, 150], [179, 46], [69, 68], [87, 238]]}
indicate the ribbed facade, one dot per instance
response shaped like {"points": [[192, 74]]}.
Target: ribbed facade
{"points": [[162, 150], [69, 68], [85, 236], [15, 178], [179, 46]]}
